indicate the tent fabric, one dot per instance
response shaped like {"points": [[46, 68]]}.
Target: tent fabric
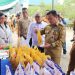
{"points": [[6, 4]]}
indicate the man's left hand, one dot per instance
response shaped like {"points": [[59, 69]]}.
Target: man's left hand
{"points": [[47, 45]]}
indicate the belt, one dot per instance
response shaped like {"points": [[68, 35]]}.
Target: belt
{"points": [[23, 37]]}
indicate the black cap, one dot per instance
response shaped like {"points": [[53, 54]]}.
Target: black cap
{"points": [[17, 14]]}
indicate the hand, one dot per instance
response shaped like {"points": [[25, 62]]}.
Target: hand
{"points": [[35, 30], [47, 45]]}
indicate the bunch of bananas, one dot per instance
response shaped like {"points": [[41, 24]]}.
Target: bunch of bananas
{"points": [[25, 54], [39, 37]]}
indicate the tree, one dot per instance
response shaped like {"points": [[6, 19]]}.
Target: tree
{"points": [[69, 8]]}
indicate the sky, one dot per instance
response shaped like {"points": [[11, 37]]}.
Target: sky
{"points": [[46, 1], [38, 1]]}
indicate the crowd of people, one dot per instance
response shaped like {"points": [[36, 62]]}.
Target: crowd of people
{"points": [[51, 27]]}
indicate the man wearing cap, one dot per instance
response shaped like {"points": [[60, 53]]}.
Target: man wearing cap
{"points": [[18, 16], [54, 37], [23, 24], [31, 33]]}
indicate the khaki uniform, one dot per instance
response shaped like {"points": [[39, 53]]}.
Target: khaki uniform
{"points": [[55, 36], [23, 26]]}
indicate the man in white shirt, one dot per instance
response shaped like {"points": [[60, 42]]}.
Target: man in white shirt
{"points": [[31, 31]]}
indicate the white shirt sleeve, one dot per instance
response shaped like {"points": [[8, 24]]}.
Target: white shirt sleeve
{"points": [[29, 34], [9, 32]]}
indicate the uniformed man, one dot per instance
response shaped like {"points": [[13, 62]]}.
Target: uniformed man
{"points": [[23, 24], [54, 36]]}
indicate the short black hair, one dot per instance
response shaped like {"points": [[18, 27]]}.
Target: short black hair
{"points": [[53, 12], [24, 9]]}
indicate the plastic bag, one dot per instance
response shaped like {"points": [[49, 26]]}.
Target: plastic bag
{"points": [[20, 70], [45, 71], [8, 72], [27, 69], [72, 73], [36, 67]]}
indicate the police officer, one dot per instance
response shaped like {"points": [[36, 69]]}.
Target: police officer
{"points": [[54, 36], [24, 23]]}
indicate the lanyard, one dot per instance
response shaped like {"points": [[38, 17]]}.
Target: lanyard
{"points": [[5, 33], [1, 27]]}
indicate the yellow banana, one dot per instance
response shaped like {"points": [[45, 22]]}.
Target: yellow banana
{"points": [[24, 54], [39, 37]]}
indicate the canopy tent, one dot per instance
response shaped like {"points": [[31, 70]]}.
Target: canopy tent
{"points": [[6, 4]]}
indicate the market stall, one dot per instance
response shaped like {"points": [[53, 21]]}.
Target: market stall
{"points": [[28, 61]]}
